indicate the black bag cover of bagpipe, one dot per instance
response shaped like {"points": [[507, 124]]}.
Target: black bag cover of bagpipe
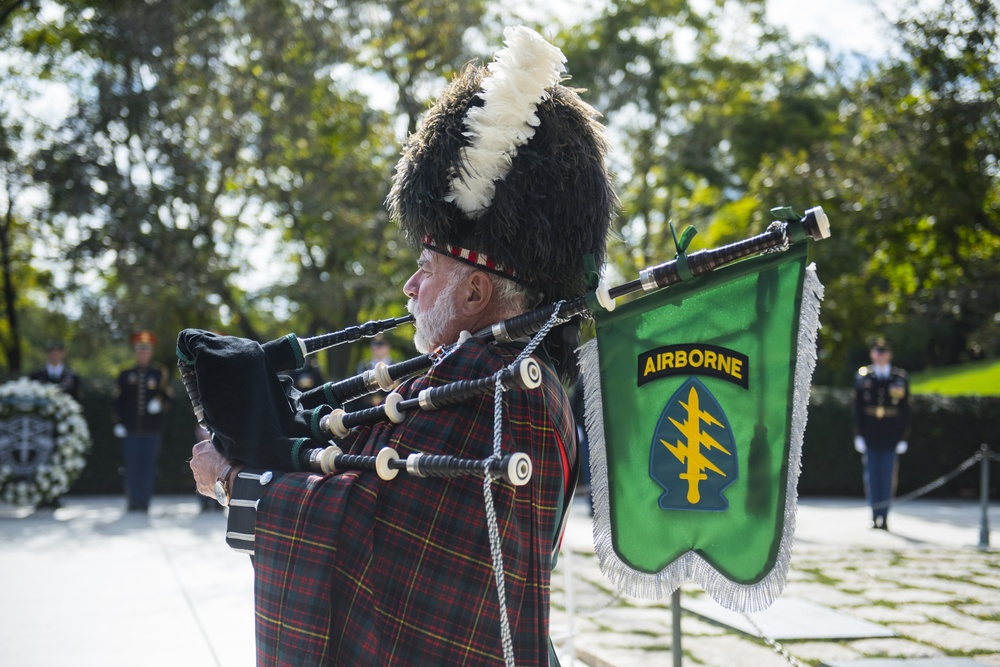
{"points": [[252, 412]]}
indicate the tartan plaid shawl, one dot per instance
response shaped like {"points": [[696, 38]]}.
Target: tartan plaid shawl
{"points": [[353, 570]]}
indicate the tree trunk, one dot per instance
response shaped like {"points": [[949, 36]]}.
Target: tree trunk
{"points": [[12, 344]]}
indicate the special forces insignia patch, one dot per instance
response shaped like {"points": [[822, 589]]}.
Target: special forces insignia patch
{"points": [[693, 453], [26, 442]]}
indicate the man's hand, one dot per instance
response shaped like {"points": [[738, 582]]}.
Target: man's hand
{"points": [[859, 445], [206, 466], [901, 447]]}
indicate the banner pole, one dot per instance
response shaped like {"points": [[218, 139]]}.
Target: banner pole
{"points": [[675, 644], [570, 604], [984, 497]]}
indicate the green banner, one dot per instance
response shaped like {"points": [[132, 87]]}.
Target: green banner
{"points": [[696, 397]]}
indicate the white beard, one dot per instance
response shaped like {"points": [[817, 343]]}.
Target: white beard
{"points": [[432, 325]]}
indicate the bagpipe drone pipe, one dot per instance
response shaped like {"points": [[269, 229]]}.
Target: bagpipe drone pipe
{"points": [[257, 416]]}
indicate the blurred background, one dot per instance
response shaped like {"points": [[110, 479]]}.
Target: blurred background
{"points": [[223, 165]]}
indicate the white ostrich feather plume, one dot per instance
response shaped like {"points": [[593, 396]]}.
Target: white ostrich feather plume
{"points": [[520, 74]]}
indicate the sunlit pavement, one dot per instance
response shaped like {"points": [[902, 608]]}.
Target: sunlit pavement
{"points": [[91, 585], [927, 582]]}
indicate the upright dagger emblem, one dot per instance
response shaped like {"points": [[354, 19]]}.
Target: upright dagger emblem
{"points": [[693, 454], [689, 451]]}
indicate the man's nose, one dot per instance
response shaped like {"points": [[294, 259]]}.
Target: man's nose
{"points": [[410, 288]]}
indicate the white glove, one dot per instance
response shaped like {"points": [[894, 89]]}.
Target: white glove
{"points": [[120, 431], [901, 447], [859, 445], [154, 406]]}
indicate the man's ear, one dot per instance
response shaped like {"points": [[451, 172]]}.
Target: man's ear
{"points": [[479, 294]]}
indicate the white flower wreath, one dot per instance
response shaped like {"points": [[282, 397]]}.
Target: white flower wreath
{"points": [[43, 442]]}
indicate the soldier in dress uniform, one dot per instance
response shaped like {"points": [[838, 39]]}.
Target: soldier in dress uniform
{"points": [[56, 371], [141, 397], [881, 426]]}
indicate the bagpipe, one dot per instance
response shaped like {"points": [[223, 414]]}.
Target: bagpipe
{"points": [[270, 424]]}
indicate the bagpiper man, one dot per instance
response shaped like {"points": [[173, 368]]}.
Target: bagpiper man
{"points": [[881, 426], [504, 187]]}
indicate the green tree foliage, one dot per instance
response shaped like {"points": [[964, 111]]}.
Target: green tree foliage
{"points": [[224, 167], [717, 129], [699, 94], [225, 163], [138, 187], [26, 285], [329, 164], [910, 180], [315, 165], [412, 44], [939, 189]]}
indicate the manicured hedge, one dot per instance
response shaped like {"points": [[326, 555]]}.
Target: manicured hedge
{"points": [[946, 431], [105, 471]]}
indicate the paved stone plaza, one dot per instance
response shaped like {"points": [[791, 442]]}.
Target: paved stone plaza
{"points": [[90, 585], [927, 582]]}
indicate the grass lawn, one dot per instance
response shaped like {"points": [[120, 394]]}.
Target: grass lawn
{"points": [[980, 378]]}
